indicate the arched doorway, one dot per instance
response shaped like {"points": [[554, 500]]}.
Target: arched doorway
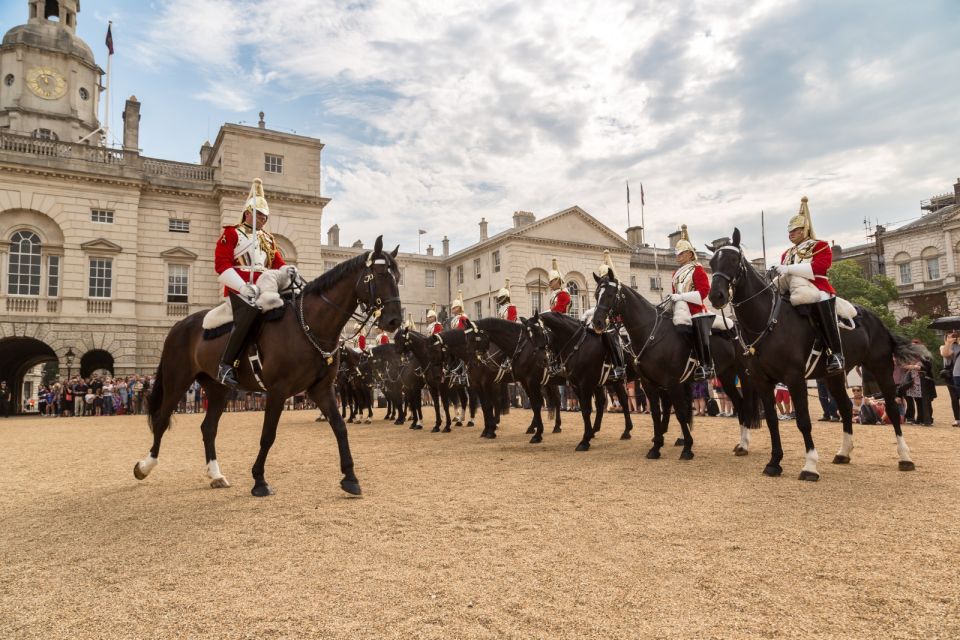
{"points": [[17, 357], [95, 360]]}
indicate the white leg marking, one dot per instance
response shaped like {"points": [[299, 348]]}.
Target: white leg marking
{"points": [[847, 445], [812, 460], [217, 481], [744, 438], [903, 449], [147, 464]]}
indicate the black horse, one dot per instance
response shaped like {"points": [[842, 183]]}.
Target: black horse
{"points": [[355, 382], [429, 363], [482, 381], [779, 342], [387, 363], [662, 355], [300, 352]]}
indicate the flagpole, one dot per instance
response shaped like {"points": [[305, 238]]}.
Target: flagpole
{"points": [[643, 224], [763, 238], [628, 204], [656, 266], [106, 128]]}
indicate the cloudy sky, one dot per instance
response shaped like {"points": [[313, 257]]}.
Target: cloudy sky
{"points": [[437, 113]]}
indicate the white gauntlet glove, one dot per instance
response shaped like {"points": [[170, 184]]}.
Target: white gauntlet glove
{"points": [[676, 297], [804, 270], [291, 271], [249, 292]]}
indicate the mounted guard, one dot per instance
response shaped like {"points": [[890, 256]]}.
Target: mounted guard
{"points": [[433, 326], [611, 333], [505, 309], [691, 286], [803, 273], [559, 297], [458, 319], [244, 253]]}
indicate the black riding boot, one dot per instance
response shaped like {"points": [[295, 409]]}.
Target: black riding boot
{"points": [[244, 315], [611, 340], [701, 345], [825, 316]]}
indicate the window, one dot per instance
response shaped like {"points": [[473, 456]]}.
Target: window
{"points": [[44, 134], [101, 277], [495, 258], [53, 276], [23, 268], [430, 278], [403, 270], [655, 284], [476, 268], [178, 226], [933, 268], [84, 94], [328, 264], [460, 274], [478, 310], [633, 282], [574, 290], [101, 215], [8, 80], [536, 300], [272, 163], [177, 276], [905, 275]]}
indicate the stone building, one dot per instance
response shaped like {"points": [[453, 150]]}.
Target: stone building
{"points": [[104, 249]]}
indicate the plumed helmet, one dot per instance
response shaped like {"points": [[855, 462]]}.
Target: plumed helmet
{"points": [[432, 311], [256, 200], [802, 220], [606, 267], [555, 272], [504, 294], [684, 244], [409, 323], [458, 301]]}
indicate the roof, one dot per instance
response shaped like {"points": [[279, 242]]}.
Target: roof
{"points": [[937, 217]]}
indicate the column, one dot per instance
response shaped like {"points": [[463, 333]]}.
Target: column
{"points": [[951, 274]]}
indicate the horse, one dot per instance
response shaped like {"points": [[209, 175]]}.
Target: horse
{"points": [[482, 382], [299, 354], [779, 342], [430, 366], [663, 359], [386, 363], [355, 381]]}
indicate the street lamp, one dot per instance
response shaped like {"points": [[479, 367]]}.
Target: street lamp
{"points": [[69, 356]]}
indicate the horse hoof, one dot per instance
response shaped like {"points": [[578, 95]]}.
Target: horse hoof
{"points": [[320, 419], [531, 430], [653, 454], [398, 422], [536, 439], [446, 430], [772, 470], [809, 476], [740, 451], [261, 490], [350, 486], [470, 423], [459, 423], [838, 459], [220, 483], [626, 435], [557, 430], [679, 443], [367, 421], [907, 465], [686, 454], [139, 475], [416, 427], [435, 430], [583, 446]]}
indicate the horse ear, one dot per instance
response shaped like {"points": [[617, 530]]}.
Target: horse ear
{"points": [[595, 278], [396, 250], [736, 237], [710, 249], [378, 246]]}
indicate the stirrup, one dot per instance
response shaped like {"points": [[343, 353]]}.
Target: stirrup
{"points": [[618, 373], [835, 364], [227, 375]]}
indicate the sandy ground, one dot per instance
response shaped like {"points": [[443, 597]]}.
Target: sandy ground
{"points": [[458, 537]]}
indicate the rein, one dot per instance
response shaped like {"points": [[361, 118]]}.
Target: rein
{"points": [[659, 311], [748, 349]]}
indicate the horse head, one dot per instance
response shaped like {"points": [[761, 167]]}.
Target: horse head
{"points": [[476, 341], [536, 332], [382, 291], [608, 296], [726, 265]]}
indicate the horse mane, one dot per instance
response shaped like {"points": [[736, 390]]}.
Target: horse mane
{"points": [[326, 280], [454, 337]]}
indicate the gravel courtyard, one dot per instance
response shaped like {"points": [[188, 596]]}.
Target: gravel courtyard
{"points": [[459, 537]]}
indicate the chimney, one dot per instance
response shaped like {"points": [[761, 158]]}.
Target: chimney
{"points": [[956, 192], [483, 229], [262, 124], [446, 247], [333, 236], [131, 126], [429, 249], [674, 238], [205, 152], [635, 236], [522, 219], [358, 244]]}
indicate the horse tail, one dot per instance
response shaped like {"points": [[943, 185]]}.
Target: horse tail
{"points": [[688, 398], [155, 417], [750, 405], [905, 351]]}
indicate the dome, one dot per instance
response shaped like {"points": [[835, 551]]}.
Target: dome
{"points": [[50, 36]]}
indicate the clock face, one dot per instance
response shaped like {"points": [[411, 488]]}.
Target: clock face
{"points": [[46, 82]]}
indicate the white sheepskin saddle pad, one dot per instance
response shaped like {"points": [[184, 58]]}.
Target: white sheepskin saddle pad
{"points": [[270, 285]]}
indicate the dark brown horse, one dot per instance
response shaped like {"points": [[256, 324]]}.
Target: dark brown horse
{"points": [[299, 352]]}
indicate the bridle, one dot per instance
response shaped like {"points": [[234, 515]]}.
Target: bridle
{"points": [[748, 349]]}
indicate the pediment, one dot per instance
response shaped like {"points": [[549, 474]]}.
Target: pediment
{"points": [[101, 245], [178, 253], [574, 224]]}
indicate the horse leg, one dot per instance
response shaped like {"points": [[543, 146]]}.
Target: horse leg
{"points": [[169, 386], [324, 397], [486, 408], [368, 399], [765, 392], [885, 376], [445, 401], [625, 405], [600, 400], [740, 406], [838, 389], [271, 416], [535, 394], [585, 397], [798, 395], [553, 393], [680, 396], [216, 402], [460, 402], [656, 415]]}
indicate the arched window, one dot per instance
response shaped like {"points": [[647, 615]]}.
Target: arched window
{"points": [[23, 268], [904, 273], [44, 134], [574, 290], [931, 263]]}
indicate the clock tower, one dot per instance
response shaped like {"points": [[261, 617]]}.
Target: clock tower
{"points": [[49, 78]]}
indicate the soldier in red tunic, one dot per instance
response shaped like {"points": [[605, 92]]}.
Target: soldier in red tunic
{"points": [[559, 298], [432, 325], [243, 253], [381, 337], [611, 334], [690, 289], [458, 319], [803, 272], [506, 310]]}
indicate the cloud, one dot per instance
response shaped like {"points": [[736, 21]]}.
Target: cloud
{"points": [[436, 114]]}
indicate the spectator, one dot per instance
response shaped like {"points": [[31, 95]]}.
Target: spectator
{"points": [[6, 399], [827, 402], [700, 396], [950, 351], [784, 402]]}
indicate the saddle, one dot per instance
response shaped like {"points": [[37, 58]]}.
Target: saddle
{"points": [[223, 329]]}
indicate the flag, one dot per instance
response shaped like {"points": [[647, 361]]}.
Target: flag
{"points": [[109, 40], [628, 192], [422, 231], [642, 201]]}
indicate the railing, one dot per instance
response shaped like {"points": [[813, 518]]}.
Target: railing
{"points": [[23, 305], [27, 145], [182, 170], [53, 306], [177, 310], [100, 306]]}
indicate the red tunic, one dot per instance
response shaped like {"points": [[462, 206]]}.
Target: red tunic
{"points": [[224, 259], [462, 321], [562, 302], [701, 284], [384, 339], [362, 342], [437, 328], [820, 262], [511, 313]]}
